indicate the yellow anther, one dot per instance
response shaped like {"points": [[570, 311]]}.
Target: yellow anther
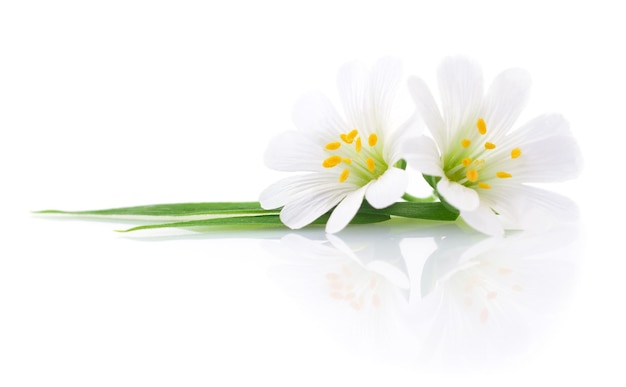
{"points": [[344, 175], [503, 175], [515, 153], [331, 161], [490, 145], [350, 136], [482, 127], [345, 138], [466, 161], [484, 185], [370, 164], [372, 139], [465, 143], [333, 145], [358, 144], [347, 160], [472, 175]]}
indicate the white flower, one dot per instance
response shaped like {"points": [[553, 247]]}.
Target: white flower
{"points": [[347, 158], [483, 166]]}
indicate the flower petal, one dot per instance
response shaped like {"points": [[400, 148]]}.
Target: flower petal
{"points": [[394, 146], [484, 220], [384, 79], [351, 81], [388, 188], [315, 114], [422, 155], [505, 100], [293, 151], [345, 211], [307, 208], [530, 208], [292, 188], [367, 97], [461, 197], [427, 108], [553, 159], [461, 89]]}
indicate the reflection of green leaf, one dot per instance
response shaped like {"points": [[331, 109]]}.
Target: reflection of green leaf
{"points": [[256, 220], [176, 209]]}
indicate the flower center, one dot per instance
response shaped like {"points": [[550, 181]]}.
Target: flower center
{"points": [[354, 160], [477, 162]]}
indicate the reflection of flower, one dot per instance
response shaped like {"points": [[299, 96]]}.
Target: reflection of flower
{"points": [[357, 286], [480, 165], [348, 159], [488, 299], [435, 295]]}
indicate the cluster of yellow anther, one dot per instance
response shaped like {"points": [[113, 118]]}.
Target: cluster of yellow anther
{"points": [[474, 166], [351, 146]]}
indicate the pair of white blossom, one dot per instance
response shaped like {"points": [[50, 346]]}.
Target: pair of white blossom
{"points": [[475, 161]]}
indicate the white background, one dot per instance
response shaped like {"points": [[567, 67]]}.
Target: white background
{"points": [[116, 103]]}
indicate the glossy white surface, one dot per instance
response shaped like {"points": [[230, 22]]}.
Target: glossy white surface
{"points": [[125, 103]]}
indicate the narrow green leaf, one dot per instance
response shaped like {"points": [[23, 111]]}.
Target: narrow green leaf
{"points": [[252, 221], [175, 209], [430, 211]]}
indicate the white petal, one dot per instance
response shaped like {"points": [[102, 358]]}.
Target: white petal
{"points": [[531, 208], [306, 208], [427, 108], [367, 97], [505, 100], [293, 151], [461, 89], [345, 211], [539, 128], [483, 219], [387, 189], [553, 159], [394, 148], [422, 154], [292, 188], [461, 197], [384, 80], [314, 114], [351, 81]]}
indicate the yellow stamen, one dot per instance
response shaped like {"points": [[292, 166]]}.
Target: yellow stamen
{"points": [[515, 153], [333, 145], [370, 164], [358, 144], [466, 161], [352, 135], [347, 160], [345, 138], [482, 127], [503, 175], [372, 139], [331, 161], [344, 175], [472, 175], [490, 145], [465, 143], [484, 185]]}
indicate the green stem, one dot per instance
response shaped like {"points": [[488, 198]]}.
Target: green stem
{"points": [[415, 199]]}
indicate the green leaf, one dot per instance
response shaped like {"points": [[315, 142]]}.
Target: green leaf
{"points": [[430, 211], [253, 221], [175, 209]]}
